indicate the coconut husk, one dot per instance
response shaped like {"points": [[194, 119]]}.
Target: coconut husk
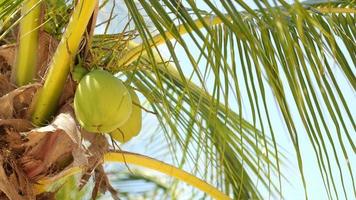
{"points": [[14, 182], [39, 153], [15, 103], [5, 85], [7, 55], [9, 184], [53, 147], [46, 49]]}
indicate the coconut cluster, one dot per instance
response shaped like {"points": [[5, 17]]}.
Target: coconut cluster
{"points": [[103, 104]]}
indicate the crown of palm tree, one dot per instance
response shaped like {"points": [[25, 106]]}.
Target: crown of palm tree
{"points": [[225, 82]]}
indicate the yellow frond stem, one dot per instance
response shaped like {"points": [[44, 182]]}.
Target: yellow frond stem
{"points": [[26, 58], [60, 65], [135, 52], [327, 10], [144, 161]]}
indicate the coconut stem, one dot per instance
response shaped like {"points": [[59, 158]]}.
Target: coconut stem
{"points": [[26, 58], [59, 68]]}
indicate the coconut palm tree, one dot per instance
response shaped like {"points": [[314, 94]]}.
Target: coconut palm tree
{"points": [[220, 84]]}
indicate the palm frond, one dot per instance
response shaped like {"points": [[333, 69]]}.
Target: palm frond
{"points": [[8, 12], [286, 53]]}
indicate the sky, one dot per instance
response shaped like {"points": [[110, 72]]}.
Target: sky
{"points": [[292, 190]]}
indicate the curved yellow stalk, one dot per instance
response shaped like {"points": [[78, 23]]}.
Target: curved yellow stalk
{"points": [[26, 58], [59, 68], [327, 10], [143, 161], [135, 52], [162, 167]]}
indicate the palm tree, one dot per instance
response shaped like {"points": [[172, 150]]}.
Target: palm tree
{"points": [[223, 81]]}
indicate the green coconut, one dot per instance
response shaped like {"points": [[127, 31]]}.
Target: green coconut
{"points": [[132, 126], [102, 103]]}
